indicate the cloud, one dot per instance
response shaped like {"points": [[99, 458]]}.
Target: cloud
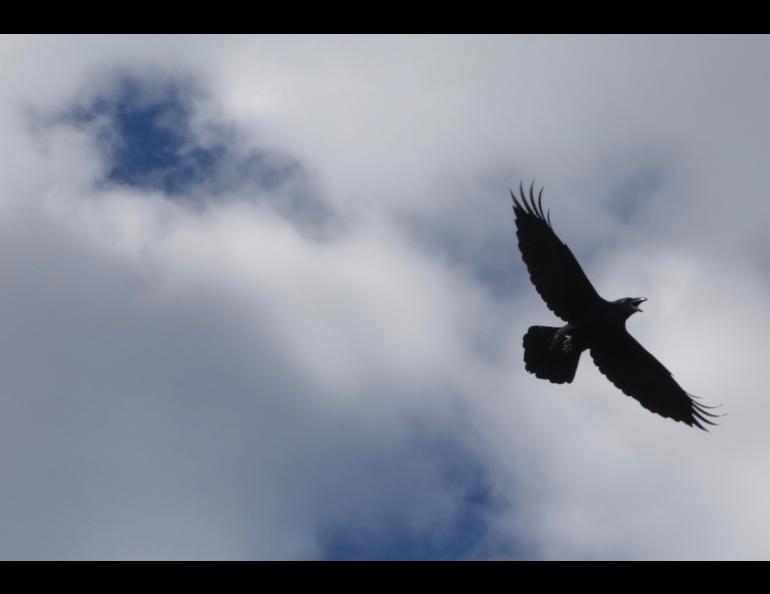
{"points": [[294, 331], [170, 396]]}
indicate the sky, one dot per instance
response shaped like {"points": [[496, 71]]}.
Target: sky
{"points": [[261, 296]]}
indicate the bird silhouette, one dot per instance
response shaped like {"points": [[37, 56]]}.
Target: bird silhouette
{"points": [[592, 323]]}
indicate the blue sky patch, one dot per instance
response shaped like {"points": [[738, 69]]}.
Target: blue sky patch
{"points": [[146, 129], [395, 539]]}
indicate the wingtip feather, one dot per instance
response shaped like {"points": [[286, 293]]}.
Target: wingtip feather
{"points": [[529, 204]]}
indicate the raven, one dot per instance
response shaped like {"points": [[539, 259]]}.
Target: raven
{"points": [[593, 323]]}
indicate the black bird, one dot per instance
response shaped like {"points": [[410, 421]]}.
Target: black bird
{"points": [[593, 323]]}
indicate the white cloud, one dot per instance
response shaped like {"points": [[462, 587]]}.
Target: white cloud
{"points": [[184, 380]]}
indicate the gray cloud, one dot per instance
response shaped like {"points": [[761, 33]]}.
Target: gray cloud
{"points": [[215, 373], [146, 416]]}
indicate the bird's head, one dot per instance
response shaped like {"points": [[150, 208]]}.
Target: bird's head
{"points": [[630, 305]]}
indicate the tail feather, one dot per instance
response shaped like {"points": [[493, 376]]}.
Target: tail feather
{"points": [[545, 362]]}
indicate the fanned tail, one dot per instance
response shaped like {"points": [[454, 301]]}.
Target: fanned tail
{"points": [[547, 360]]}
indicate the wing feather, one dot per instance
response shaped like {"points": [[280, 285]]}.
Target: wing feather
{"points": [[638, 374], [553, 269]]}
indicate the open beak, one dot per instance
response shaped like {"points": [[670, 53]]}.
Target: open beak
{"points": [[635, 303]]}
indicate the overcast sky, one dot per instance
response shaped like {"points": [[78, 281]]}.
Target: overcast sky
{"points": [[260, 297]]}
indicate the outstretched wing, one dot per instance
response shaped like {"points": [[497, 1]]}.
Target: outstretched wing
{"points": [[553, 268], [638, 374]]}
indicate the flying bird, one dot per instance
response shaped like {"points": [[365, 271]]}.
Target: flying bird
{"points": [[592, 323]]}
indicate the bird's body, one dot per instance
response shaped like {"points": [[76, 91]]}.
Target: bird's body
{"points": [[592, 323]]}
